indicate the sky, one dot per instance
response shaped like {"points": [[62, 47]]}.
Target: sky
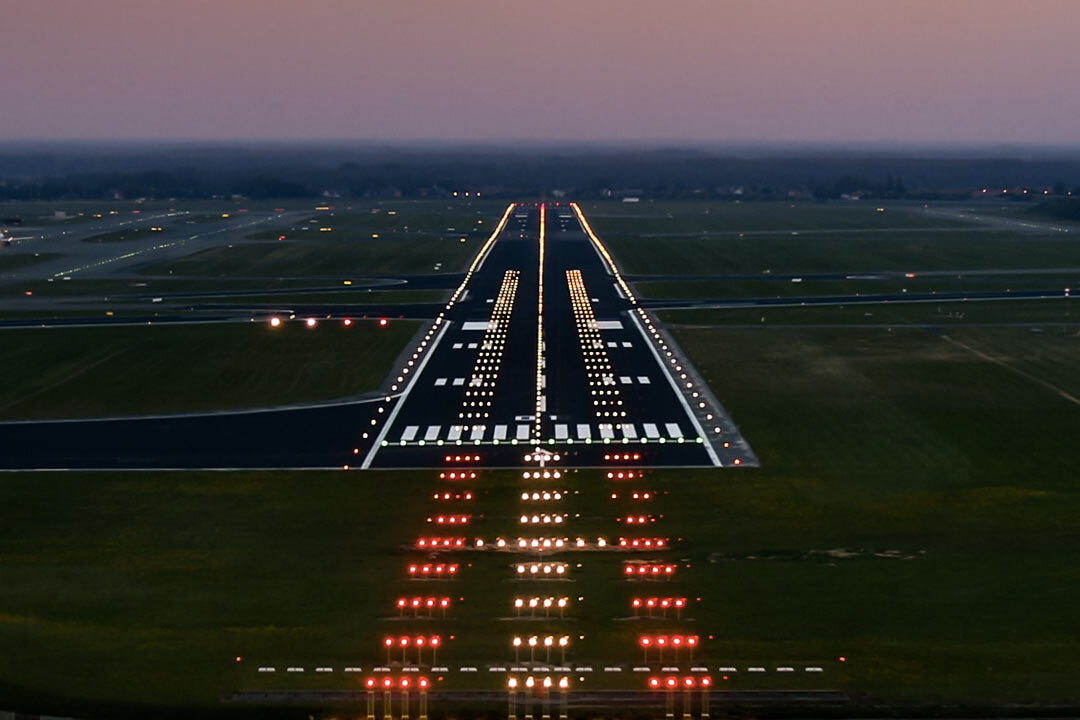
{"points": [[691, 71]]}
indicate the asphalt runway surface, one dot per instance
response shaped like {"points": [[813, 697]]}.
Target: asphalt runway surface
{"points": [[612, 388], [603, 388]]}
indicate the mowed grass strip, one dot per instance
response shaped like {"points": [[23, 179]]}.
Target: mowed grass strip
{"points": [[126, 235], [810, 287], [854, 253], [104, 371], [321, 257], [358, 297], [15, 261], [150, 286], [695, 217], [915, 512], [951, 312]]}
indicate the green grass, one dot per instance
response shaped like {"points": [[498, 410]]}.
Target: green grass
{"points": [[767, 287], [916, 513], [15, 261], [395, 219], [851, 253], [149, 286], [118, 236], [85, 372], [729, 217], [879, 440], [1054, 310], [351, 297], [404, 223], [341, 258]]}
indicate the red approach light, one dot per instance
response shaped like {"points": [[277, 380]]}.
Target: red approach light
{"points": [[383, 322], [688, 682], [387, 683], [370, 683], [654, 683], [672, 682], [405, 682], [423, 683], [705, 681]]}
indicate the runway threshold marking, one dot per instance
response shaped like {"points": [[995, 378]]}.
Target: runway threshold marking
{"points": [[459, 293]]}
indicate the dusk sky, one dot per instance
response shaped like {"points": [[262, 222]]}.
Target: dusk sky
{"points": [[673, 70]]}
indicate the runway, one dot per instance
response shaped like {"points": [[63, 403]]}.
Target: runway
{"points": [[542, 357], [548, 354]]}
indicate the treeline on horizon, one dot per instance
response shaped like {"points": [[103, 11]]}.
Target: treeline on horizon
{"points": [[68, 172]]}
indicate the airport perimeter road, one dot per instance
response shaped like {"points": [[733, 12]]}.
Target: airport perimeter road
{"points": [[545, 358]]}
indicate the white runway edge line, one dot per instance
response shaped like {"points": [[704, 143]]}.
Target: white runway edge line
{"points": [[678, 392], [609, 262], [458, 293], [377, 444]]}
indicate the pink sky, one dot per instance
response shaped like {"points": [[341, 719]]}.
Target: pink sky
{"points": [[682, 70]]}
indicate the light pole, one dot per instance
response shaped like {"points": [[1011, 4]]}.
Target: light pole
{"points": [[388, 685], [423, 684], [511, 695], [405, 698], [529, 684]]}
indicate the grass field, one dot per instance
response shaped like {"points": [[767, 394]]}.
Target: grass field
{"points": [[119, 236], [904, 441], [15, 261], [851, 253], [398, 220], [350, 297], [402, 237], [86, 372], [152, 286], [337, 258], [916, 511], [729, 217], [808, 287], [1028, 312]]}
